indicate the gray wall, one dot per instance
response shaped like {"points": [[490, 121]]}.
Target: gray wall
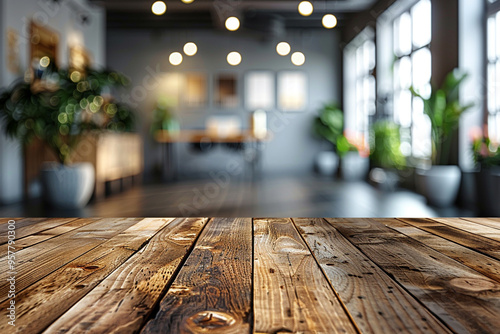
{"points": [[138, 53], [16, 15]]}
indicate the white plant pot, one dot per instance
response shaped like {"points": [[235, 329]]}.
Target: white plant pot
{"points": [[68, 186], [327, 163], [354, 167], [439, 185]]}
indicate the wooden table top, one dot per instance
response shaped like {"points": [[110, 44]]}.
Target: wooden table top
{"points": [[241, 275], [197, 136]]}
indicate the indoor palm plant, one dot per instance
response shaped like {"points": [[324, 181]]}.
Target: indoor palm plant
{"points": [[440, 183], [62, 118]]}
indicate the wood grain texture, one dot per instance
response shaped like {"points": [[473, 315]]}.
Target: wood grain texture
{"points": [[462, 237], [36, 237], [472, 259], [377, 303], [213, 290], [45, 301], [291, 293], [472, 227], [40, 260], [465, 300], [46, 224], [125, 299], [491, 222], [20, 223]]}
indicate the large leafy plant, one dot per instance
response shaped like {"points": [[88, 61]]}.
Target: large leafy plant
{"points": [[329, 125], [385, 145], [444, 110], [61, 117]]}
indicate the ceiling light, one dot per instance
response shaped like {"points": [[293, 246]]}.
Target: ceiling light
{"points": [[187, 1], [234, 58], [232, 23], [190, 49], [175, 58], [283, 48], [305, 8], [298, 58], [159, 8], [329, 21]]}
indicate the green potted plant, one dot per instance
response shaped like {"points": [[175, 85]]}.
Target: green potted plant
{"points": [[62, 118], [329, 125], [440, 183], [385, 154], [486, 154]]}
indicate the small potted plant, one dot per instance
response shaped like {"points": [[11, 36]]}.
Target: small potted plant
{"points": [[329, 126], [440, 183], [385, 154], [354, 153], [486, 153], [62, 118]]}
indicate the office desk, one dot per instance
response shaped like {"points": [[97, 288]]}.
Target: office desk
{"points": [[244, 275], [250, 143]]}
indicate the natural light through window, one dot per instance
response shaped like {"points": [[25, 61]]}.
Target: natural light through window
{"points": [[494, 76], [412, 68], [360, 57]]}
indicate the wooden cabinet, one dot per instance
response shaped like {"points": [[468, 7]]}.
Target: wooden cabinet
{"points": [[115, 156]]}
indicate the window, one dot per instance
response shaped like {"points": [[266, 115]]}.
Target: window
{"points": [[360, 60], [412, 68], [493, 86]]}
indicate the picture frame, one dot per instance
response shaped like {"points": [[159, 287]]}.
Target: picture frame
{"points": [[226, 90], [293, 91], [260, 90]]}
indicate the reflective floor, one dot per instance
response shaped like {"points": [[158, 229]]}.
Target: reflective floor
{"points": [[291, 196]]}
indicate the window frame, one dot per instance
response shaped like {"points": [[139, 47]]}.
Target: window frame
{"points": [[354, 95], [408, 137]]}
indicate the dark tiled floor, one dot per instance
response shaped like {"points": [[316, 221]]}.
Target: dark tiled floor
{"points": [[296, 196]]}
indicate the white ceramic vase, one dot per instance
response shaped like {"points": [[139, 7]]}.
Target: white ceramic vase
{"points": [[327, 163], [439, 184], [67, 187], [354, 167]]}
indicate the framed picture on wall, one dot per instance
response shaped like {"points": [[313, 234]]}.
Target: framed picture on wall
{"points": [[293, 91], [79, 58], [195, 91], [171, 88], [260, 90], [226, 90], [44, 44], [13, 56]]}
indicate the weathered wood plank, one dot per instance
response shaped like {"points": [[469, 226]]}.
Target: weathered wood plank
{"points": [[477, 242], [46, 224], [472, 259], [478, 229], [465, 300], [213, 290], [45, 301], [38, 261], [35, 238], [377, 303], [20, 223], [125, 299], [491, 222], [291, 293]]}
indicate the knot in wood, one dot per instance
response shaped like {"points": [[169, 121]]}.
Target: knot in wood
{"points": [[209, 321]]}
